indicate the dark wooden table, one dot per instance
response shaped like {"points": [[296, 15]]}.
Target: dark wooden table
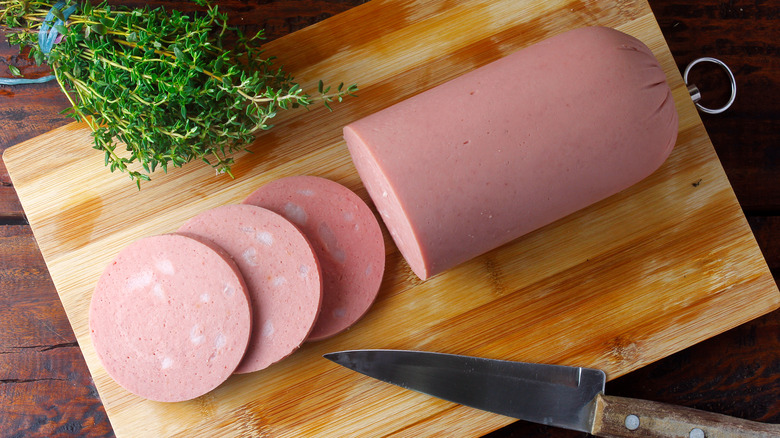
{"points": [[46, 390]]}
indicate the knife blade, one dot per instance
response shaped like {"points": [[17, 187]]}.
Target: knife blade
{"points": [[554, 395]]}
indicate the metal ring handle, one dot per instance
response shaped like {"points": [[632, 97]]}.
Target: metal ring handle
{"points": [[695, 92]]}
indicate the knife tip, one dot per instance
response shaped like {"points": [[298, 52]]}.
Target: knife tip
{"points": [[334, 356], [347, 358]]}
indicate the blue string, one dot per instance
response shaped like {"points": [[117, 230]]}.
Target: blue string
{"points": [[23, 81], [47, 34]]}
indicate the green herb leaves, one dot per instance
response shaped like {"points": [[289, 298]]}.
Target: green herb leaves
{"points": [[160, 88]]}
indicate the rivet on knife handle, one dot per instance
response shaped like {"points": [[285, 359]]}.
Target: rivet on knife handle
{"points": [[661, 420]]}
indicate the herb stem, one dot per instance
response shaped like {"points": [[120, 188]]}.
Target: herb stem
{"points": [[168, 87]]}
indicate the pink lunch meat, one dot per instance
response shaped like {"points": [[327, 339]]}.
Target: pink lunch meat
{"points": [[514, 145], [280, 269], [346, 238], [170, 318]]}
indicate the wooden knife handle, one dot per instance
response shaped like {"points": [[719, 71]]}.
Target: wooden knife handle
{"points": [[625, 417]]}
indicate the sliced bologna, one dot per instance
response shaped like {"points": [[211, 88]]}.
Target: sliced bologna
{"points": [[170, 318], [482, 159], [346, 238], [280, 270]]}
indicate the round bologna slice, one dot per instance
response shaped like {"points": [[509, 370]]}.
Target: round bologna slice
{"points": [[280, 270], [346, 238], [170, 318]]}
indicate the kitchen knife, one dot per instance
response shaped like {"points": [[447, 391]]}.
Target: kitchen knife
{"points": [[556, 395]]}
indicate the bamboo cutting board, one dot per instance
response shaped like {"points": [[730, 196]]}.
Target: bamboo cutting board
{"points": [[665, 264]]}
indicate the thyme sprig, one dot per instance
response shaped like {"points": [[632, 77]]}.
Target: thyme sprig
{"points": [[168, 87]]}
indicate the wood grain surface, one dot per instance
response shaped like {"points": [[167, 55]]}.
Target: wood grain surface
{"points": [[681, 374]]}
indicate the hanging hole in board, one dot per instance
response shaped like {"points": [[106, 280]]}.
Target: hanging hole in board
{"points": [[713, 80]]}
